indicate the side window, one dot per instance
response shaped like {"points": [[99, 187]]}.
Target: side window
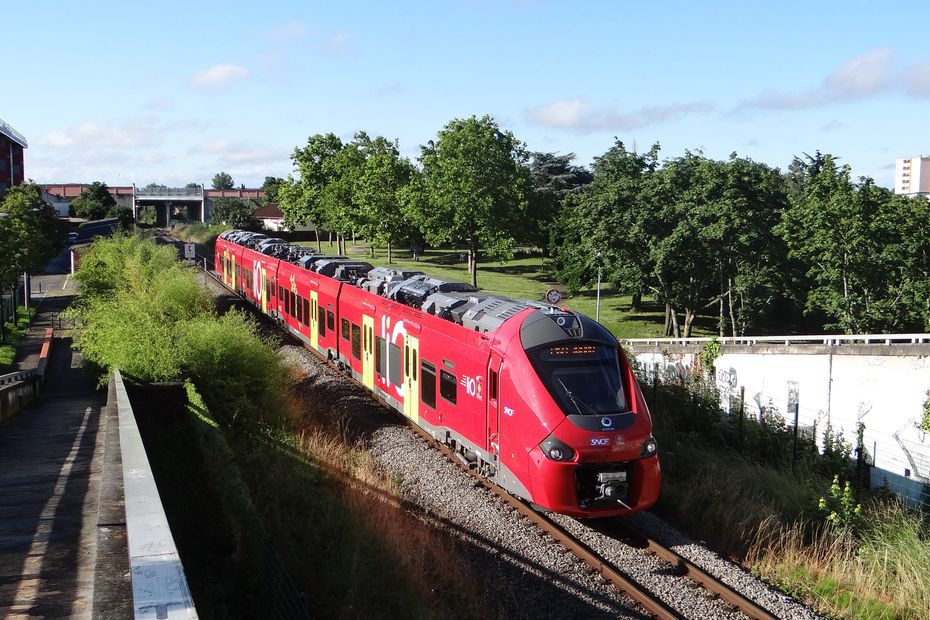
{"points": [[345, 329], [448, 386], [356, 341], [287, 302], [307, 314], [281, 293], [321, 320], [492, 385], [394, 363], [330, 321], [428, 383], [300, 309], [379, 351]]}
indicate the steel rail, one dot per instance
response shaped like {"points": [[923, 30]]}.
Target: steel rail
{"points": [[686, 568], [652, 604]]}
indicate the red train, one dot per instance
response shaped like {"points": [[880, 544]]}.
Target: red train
{"points": [[539, 399]]}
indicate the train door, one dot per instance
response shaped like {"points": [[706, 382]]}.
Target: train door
{"points": [[314, 320], [494, 397], [411, 378], [264, 289], [368, 352]]}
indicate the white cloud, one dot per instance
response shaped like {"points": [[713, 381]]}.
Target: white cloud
{"points": [[219, 77], [394, 88], [93, 136], [334, 45], [240, 153], [293, 29], [868, 75], [580, 116]]}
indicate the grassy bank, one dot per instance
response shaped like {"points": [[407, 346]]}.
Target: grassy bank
{"points": [[743, 488], [285, 502]]}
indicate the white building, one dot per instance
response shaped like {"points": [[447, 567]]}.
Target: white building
{"points": [[912, 176]]}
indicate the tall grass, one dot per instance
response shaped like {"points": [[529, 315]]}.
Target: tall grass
{"points": [[880, 573]]}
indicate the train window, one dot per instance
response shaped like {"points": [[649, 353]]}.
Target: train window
{"points": [[281, 293], [406, 361], [307, 314], [448, 386], [356, 341], [583, 379], [414, 364], [394, 364], [293, 304], [345, 329], [321, 320], [379, 351], [300, 309], [287, 302], [492, 385], [267, 293], [330, 321], [428, 383]]}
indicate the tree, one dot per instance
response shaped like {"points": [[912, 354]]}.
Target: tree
{"points": [[864, 250], [234, 212], [554, 178], [301, 198], [478, 187], [612, 225], [341, 170], [223, 180], [379, 193], [270, 188], [192, 185], [94, 203], [30, 233]]}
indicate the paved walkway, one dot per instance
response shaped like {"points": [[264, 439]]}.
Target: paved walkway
{"points": [[51, 460]]}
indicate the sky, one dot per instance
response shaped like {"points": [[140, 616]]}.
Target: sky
{"points": [[174, 92]]}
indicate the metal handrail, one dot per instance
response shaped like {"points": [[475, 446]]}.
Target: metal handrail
{"points": [[823, 339]]}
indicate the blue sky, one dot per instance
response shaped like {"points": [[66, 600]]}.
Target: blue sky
{"points": [[173, 92]]}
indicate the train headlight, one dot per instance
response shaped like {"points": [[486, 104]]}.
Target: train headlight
{"points": [[556, 450], [648, 447]]}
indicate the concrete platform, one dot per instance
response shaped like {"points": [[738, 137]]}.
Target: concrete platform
{"points": [[51, 464]]}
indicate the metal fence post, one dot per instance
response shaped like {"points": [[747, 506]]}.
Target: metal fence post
{"points": [[742, 413]]}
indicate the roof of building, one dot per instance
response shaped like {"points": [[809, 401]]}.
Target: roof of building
{"points": [[12, 134], [73, 190], [269, 211], [256, 194]]}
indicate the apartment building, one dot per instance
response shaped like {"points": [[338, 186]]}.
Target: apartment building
{"points": [[912, 176]]}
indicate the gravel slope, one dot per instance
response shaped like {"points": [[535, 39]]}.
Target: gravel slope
{"points": [[533, 575]]}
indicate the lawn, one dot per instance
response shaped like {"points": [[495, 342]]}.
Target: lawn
{"points": [[529, 277]]}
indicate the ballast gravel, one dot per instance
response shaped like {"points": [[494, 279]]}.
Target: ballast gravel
{"points": [[532, 576]]}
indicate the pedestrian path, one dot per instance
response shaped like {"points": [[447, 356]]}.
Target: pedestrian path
{"points": [[51, 462]]}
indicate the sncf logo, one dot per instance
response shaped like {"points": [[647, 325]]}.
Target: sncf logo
{"points": [[600, 441]]}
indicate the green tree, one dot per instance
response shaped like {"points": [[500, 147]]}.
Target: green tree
{"points": [[94, 203], [379, 194], [478, 187], [301, 198], [553, 178], [342, 171], [223, 180], [270, 188], [862, 250], [612, 225], [234, 212]]}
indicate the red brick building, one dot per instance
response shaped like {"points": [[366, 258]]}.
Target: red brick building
{"points": [[12, 144]]}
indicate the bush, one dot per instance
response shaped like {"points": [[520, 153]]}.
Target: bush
{"points": [[239, 375]]}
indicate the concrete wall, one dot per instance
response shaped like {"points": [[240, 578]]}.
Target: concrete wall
{"points": [[881, 386]]}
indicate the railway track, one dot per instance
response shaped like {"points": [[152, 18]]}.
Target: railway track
{"points": [[608, 571], [615, 528]]}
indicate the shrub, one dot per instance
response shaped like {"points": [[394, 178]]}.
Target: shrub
{"points": [[238, 374]]}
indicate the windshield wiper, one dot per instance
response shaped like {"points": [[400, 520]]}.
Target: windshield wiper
{"points": [[576, 401]]}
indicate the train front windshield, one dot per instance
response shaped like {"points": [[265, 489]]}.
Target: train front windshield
{"points": [[582, 378]]}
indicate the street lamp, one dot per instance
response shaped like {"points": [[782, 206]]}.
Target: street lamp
{"points": [[597, 308]]}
